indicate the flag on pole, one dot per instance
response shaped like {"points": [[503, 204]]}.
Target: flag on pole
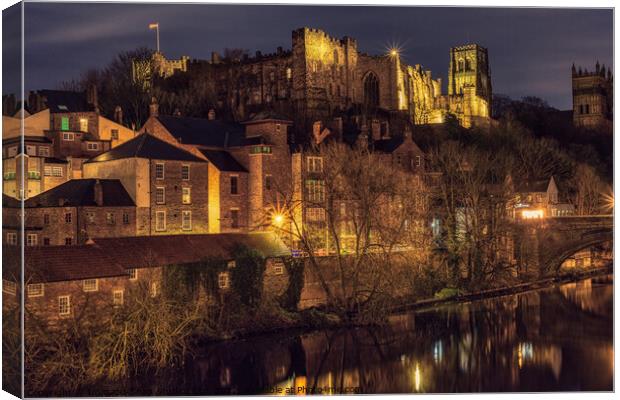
{"points": [[154, 26]]}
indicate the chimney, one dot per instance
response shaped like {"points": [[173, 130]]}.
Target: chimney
{"points": [[375, 127], [118, 114], [98, 193], [362, 138], [258, 54], [337, 127], [91, 96], [215, 57], [61, 202], [211, 114], [154, 108], [279, 50], [316, 129]]}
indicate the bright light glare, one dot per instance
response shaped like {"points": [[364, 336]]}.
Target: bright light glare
{"points": [[532, 214], [278, 219]]}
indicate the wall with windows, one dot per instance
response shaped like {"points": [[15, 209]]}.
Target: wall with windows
{"points": [[113, 131]]}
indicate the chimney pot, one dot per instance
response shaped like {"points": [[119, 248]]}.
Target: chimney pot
{"points": [[154, 108], [98, 193], [211, 115]]}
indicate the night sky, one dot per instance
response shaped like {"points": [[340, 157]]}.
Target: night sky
{"points": [[530, 50]]}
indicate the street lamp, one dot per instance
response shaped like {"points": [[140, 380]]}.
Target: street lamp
{"points": [[277, 219]]}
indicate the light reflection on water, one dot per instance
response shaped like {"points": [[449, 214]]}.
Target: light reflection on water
{"points": [[557, 339]]}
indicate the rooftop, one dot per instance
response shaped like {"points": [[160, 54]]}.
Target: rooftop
{"points": [[146, 146], [203, 132], [61, 101], [81, 192], [223, 160]]}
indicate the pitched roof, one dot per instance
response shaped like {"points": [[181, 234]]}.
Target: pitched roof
{"points": [[146, 146], [533, 186], [223, 160], [145, 251], [203, 132], [81, 192], [388, 145], [10, 202], [54, 160], [59, 101], [267, 115], [27, 138]]}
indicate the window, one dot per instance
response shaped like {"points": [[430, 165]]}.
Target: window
{"points": [[278, 268], [84, 124], [68, 218], [92, 146], [31, 239], [231, 264], [315, 190], [154, 289], [31, 150], [11, 238], [68, 136], [47, 170], [64, 305], [234, 184], [186, 222], [185, 172], [125, 218], [68, 241], [315, 214], [315, 164], [114, 134], [90, 285], [133, 274], [267, 182], [418, 161], [57, 171], [12, 152], [64, 126], [110, 218], [35, 290], [159, 171], [160, 221], [118, 297], [371, 90], [46, 241], [160, 195], [46, 219], [187, 195], [222, 280], [9, 287], [44, 151], [90, 217], [234, 218], [289, 73], [260, 150]]}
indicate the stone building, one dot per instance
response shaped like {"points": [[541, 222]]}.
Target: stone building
{"points": [[592, 97], [169, 185], [72, 213], [323, 76]]}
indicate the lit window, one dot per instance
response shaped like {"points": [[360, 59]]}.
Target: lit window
{"points": [[90, 217], [222, 280], [90, 285], [231, 264], [159, 171], [160, 195], [68, 136], [64, 125], [278, 268], [133, 274], [44, 151], [57, 171], [9, 287], [154, 289], [35, 290], [160, 221], [186, 223], [315, 214], [64, 305], [289, 73], [84, 124], [187, 195], [47, 170], [315, 190], [234, 184], [11, 238], [185, 172], [118, 297], [315, 164], [110, 218], [125, 218], [31, 239], [68, 218]]}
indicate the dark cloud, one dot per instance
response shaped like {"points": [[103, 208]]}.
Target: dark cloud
{"points": [[531, 50]]}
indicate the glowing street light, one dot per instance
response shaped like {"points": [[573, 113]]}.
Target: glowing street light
{"points": [[394, 52], [277, 219]]}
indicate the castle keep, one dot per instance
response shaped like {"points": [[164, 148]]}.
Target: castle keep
{"points": [[323, 76]]}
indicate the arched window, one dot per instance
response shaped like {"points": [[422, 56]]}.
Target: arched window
{"points": [[335, 56], [461, 65], [371, 90], [467, 64]]}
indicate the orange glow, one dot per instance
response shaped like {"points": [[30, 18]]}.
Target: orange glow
{"points": [[533, 214]]}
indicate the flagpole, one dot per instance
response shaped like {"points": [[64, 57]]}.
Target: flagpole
{"points": [[158, 37]]}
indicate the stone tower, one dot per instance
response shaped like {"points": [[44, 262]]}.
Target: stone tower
{"points": [[592, 97], [469, 67]]}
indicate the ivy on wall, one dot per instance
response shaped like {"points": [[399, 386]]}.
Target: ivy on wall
{"points": [[295, 269]]}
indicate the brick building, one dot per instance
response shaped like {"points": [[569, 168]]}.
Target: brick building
{"points": [[72, 213], [168, 184], [88, 281], [593, 97]]}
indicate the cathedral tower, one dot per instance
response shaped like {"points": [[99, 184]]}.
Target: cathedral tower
{"points": [[469, 68], [592, 97]]}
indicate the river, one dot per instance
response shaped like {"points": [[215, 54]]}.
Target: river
{"points": [[555, 339]]}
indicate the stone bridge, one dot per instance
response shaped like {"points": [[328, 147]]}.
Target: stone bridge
{"points": [[541, 245]]}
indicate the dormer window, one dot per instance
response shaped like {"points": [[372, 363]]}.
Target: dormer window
{"points": [[62, 107]]}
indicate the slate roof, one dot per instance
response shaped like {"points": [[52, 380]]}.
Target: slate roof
{"points": [[111, 257], [10, 202], [54, 160], [267, 115], [27, 138], [203, 132], [388, 145], [533, 187], [81, 192], [62, 101], [146, 146], [223, 160]]}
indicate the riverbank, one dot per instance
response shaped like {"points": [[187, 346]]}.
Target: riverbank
{"points": [[321, 318]]}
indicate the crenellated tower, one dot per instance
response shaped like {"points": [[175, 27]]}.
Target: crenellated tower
{"points": [[592, 96]]}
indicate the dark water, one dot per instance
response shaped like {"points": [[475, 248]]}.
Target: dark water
{"points": [[557, 339]]}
